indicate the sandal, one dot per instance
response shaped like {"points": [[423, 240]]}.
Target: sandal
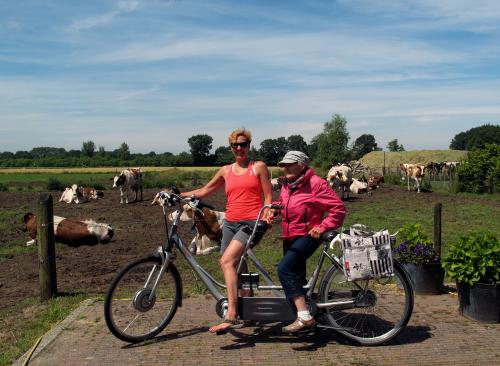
{"points": [[233, 324], [299, 325]]}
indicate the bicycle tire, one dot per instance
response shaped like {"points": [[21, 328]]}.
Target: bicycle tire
{"points": [[376, 320], [128, 313]]}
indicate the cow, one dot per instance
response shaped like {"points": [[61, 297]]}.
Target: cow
{"points": [[358, 186], [73, 232], [414, 171], [208, 224], [70, 195], [128, 179], [340, 177], [88, 193], [450, 168], [374, 182], [80, 194]]}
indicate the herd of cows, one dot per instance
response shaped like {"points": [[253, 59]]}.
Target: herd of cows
{"points": [[208, 223]]}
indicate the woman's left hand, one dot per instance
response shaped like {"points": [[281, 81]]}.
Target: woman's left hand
{"points": [[315, 232]]}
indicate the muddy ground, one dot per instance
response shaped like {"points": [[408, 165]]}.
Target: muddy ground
{"points": [[139, 229]]}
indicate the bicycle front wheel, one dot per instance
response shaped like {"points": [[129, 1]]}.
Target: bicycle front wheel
{"points": [[132, 312], [373, 311]]}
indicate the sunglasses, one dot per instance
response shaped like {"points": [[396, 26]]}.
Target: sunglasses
{"points": [[235, 145]]}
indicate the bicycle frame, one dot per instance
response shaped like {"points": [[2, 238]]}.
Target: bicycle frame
{"points": [[175, 241]]}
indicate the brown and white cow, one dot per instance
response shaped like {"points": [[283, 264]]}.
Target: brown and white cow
{"points": [[130, 178], [208, 224], [73, 232], [414, 171], [340, 177], [88, 193], [80, 194], [358, 186], [374, 182]]}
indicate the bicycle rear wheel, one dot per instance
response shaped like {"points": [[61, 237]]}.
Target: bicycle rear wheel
{"points": [[131, 313], [375, 311]]}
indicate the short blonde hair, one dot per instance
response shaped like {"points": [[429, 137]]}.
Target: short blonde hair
{"points": [[240, 132]]}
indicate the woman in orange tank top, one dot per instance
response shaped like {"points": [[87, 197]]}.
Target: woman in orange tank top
{"points": [[245, 183]]}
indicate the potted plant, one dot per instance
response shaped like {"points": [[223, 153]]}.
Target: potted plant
{"points": [[418, 256], [474, 262]]}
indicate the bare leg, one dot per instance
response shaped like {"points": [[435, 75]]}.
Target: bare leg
{"points": [[228, 263], [300, 303]]}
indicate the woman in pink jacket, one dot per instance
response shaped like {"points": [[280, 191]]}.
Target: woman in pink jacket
{"points": [[305, 198]]}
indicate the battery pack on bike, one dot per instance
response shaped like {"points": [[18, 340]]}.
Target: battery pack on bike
{"points": [[265, 308]]}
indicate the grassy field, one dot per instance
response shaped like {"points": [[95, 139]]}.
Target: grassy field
{"points": [[37, 179]]}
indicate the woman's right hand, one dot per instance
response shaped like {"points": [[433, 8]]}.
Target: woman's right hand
{"points": [[270, 215]]}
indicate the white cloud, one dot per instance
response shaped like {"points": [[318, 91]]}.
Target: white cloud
{"points": [[93, 21]]}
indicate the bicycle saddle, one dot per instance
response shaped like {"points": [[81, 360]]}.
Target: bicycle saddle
{"points": [[328, 235]]}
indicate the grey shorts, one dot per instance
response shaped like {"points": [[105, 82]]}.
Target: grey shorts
{"points": [[239, 230]]}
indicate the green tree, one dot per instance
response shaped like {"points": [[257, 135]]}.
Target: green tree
{"points": [[296, 142], [48, 152], [123, 152], [476, 137], [183, 159], [480, 170], [101, 152], [223, 155], [363, 145], [200, 146], [394, 146], [88, 148], [331, 144], [272, 150]]}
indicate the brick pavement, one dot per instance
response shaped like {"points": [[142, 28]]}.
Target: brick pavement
{"points": [[436, 335]]}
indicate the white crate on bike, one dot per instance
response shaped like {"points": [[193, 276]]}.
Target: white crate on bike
{"points": [[367, 255]]}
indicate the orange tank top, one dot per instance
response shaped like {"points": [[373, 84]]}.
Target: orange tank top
{"points": [[244, 195]]}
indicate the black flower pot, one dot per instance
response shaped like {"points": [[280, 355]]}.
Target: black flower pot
{"points": [[427, 279], [480, 302]]}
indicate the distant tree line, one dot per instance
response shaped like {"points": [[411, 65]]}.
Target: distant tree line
{"points": [[476, 138], [329, 147]]}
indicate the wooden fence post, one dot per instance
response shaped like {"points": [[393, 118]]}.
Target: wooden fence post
{"points": [[46, 248], [437, 228]]}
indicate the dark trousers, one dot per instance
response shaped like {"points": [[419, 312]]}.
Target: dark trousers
{"points": [[292, 267]]}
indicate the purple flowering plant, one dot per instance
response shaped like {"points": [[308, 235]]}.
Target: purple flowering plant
{"points": [[415, 246]]}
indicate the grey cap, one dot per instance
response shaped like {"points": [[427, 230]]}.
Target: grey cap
{"points": [[293, 157]]}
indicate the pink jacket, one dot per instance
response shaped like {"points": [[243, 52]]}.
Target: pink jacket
{"points": [[304, 204]]}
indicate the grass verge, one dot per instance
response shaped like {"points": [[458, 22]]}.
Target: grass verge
{"points": [[23, 324]]}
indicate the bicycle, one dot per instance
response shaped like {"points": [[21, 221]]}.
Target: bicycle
{"points": [[144, 296]]}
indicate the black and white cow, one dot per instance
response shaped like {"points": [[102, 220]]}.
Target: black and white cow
{"points": [[129, 179]]}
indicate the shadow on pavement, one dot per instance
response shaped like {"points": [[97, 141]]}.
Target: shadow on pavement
{"points": [[314, 340], [169, 336]]}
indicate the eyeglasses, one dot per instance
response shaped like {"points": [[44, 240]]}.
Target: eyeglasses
{"points": [[235, 145]]}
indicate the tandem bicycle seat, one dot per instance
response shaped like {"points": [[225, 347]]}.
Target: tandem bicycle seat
{"points": [[328, 235]]}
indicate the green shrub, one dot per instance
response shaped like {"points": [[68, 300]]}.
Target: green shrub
{"points": [[3, 188], [474, 258], [425, 185], [393, 178], [412, 234], [480, 173]]}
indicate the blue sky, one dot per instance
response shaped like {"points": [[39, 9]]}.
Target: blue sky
{"points": [[153, 73]]}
